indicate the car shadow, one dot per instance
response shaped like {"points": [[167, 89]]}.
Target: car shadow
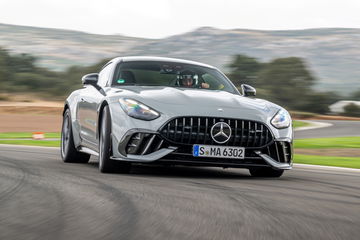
{"points": [[182, 171]]}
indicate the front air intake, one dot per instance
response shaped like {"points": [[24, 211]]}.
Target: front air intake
{"points": [[143, 143]]}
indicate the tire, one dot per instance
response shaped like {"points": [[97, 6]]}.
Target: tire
{"points": [[106, 165], [69, 154], [266, 172]]}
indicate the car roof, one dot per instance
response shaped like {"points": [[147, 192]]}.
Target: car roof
{"points": [[160, 59]]}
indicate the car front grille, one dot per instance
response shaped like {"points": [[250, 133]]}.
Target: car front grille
{"points": [[196, 130], [184, 132], [146, 143]]}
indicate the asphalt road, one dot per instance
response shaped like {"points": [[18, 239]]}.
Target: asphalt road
{"points": [[338, 129], [43, 198]]}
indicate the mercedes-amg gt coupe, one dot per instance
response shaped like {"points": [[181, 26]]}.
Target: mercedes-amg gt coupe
{"points": [[154, 110]]}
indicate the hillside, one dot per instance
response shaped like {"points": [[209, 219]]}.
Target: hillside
{"points": [[332, 54], [58, 49]]}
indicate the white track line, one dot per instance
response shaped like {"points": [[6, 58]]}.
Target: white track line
{"points": [[26, 146], [313, 125], [320, 167], [296, 165]]}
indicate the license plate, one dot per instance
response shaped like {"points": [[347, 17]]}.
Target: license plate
{"points": [[218, 151]]}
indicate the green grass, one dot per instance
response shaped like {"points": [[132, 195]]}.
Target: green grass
{"points": [[32, 143], [317, 143], [27, 135], [324, 143], [349, 162], [312, 143], [297, 124], [16, 138]]}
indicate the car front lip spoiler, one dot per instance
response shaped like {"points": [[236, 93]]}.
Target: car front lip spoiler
{"points": [[148, 157], [274, 164], [165, 151]]}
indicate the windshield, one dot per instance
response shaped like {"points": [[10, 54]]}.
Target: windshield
{"points": [[170, 74]]}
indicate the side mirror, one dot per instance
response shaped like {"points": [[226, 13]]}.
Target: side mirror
{"points": [[91, 79], [248, 90]]}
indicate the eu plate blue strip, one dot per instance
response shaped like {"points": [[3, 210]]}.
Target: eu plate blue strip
{"points": [[196, 150]]}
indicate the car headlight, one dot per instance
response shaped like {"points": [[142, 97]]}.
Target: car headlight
{"points": [[281, 119], [138, 110]]}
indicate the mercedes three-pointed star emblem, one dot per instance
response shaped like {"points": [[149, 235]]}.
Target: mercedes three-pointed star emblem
{"points": [[220, 132]]}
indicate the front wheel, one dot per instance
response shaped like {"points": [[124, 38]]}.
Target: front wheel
{"points": [[106, 165], [69, 154], [266, 172]]}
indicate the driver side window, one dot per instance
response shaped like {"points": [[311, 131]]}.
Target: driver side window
{"points": [[104, 75]]}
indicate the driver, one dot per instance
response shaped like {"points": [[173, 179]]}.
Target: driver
{"points": [[189, 79]]}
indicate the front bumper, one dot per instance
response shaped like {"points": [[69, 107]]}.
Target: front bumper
{"points": [[144, 146]]}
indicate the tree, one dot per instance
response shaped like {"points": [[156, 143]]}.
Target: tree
{"points": [[244, 69], [5, 74], [288, 82], [315, 102], [356, 95], [22, 63], [352, 110], [19, 73]]}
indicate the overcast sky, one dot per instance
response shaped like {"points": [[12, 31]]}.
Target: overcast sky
{"points": [[161, 18]]}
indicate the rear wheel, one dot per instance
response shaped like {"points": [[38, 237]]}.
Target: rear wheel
{"points": [[106, 165], [69, 153], [266, 172]]}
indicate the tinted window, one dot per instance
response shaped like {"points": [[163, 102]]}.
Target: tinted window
{"points": [[153, 73]]}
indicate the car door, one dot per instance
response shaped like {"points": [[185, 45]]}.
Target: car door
{"points": [[89, 103]]}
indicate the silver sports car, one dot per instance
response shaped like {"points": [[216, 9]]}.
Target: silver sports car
{"points": [[166, 111]]}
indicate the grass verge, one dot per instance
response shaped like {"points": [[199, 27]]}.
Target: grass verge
{"points": [[297, 124], [339, 142], [349, 162], [27, 135], [42, 143], [314, 143]]}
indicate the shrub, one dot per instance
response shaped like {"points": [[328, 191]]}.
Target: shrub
{"points": [[352, 110]]}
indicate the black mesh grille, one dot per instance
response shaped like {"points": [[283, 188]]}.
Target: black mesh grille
{"points": [[196, 130]]}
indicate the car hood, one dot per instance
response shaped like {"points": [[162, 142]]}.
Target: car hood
{"points": [[197, 102]]}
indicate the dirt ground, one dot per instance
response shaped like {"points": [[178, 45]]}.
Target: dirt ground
{"points": [[30, 116], [39, 115], [311, 116], [30, 123], [326, 117], [338, 152]]}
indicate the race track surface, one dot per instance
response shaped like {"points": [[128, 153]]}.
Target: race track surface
{"points": [[43, 198], [338, 128]]}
